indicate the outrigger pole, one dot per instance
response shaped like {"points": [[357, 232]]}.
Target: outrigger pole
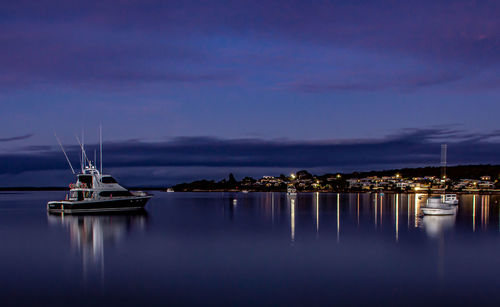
{"points": [[64, 152], [84, 154]]}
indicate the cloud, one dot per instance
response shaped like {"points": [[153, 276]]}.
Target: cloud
{"points": [[402, 82], [78, 55], [136, 42], [410, 147], [16, 138]]}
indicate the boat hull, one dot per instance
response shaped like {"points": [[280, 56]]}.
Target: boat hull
{"points": [[107, 205], [439, 211]]}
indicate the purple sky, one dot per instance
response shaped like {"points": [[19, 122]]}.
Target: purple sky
{"points": [[269, 73]]}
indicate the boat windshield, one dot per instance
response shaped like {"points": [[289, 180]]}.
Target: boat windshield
{"points": [[87, 179]]}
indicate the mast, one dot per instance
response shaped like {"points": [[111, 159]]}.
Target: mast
{"points": [[444, 148], [100, 144], [81, 146]]}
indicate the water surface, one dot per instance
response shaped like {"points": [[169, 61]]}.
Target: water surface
{"points": [[249, 249]]}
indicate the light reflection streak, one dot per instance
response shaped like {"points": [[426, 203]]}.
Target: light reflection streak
{"points": [[408, 205], [381, 208], [474, 213], [485, 200], [417, 207], [376, 199], [358, 209], [482, 212], [317, 213], [397, 217], [338, 217], [292, 219]]}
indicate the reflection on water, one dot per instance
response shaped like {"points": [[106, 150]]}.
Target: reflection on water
{"points": [[435, 226], [90, 234], [399, 213], [247, 249], [292, 199]]}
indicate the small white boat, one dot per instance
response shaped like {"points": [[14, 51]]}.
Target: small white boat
{"points": [[291, 190], [244, 191], [436, 206], [450, 199], [170, 190]]}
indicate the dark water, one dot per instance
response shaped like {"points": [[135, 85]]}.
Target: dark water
{"points": [[262, 249]]}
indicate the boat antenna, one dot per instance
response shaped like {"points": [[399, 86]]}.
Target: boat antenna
{"points": [[100, 144], [64, 152], [83, 146]]}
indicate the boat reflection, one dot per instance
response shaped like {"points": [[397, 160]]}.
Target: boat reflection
{"points": [[435, 226], [292, 205], [89, 234]]}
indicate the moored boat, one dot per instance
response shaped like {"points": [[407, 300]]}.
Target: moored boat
{"points": [[95, 192], [436, 206], [291, 190]]}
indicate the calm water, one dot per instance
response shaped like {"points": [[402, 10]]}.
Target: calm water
{"points": [[262, 248]]}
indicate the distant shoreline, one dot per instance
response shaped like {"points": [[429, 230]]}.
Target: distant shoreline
{"points": [[25, 189], [495, 192]]}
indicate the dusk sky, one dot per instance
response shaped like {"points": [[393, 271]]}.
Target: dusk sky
{"points": [[196, 89]]}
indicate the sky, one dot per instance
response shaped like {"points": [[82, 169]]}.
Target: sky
{"points": [[196, 89]]}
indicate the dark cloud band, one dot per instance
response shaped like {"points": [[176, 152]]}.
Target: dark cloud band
{"points": [[415, 147]]}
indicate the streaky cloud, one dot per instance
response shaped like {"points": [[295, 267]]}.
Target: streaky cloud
{"points": [[17, 138], [408, 147]]}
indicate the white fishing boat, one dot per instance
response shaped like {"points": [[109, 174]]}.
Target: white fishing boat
{"points": [[436, 206], [96, 192], [450, 199], [170, 190], [291, 190]]}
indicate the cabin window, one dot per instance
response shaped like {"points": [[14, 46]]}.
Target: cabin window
{"points": [[108, 180], [87, 179], [80, 195], [115, 193]]}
